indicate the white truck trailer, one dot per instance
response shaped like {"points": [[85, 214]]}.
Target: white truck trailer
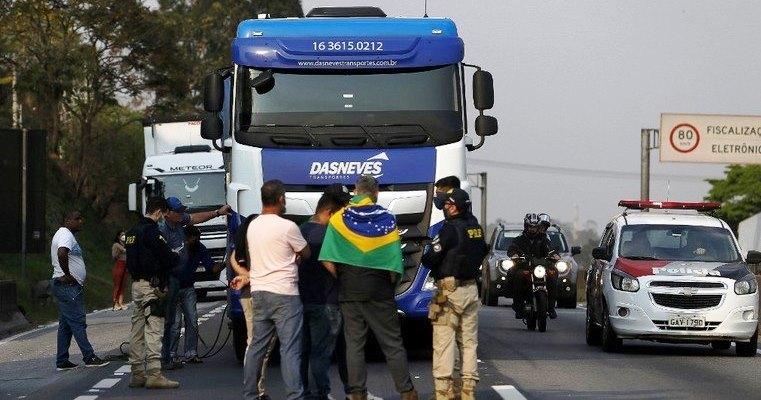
{"points": [[179, 163]]}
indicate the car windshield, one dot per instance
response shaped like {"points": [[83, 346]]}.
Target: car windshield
{"points": [[678, 243], [505, 239], [197, 191]]}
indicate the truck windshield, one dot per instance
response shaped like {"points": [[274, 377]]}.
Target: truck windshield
{"points": [[424, 101], [678, 243], [350, 91], [199, 192]]}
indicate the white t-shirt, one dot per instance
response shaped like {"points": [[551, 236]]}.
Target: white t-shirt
{"points": [[273, 243], [64, 238]]}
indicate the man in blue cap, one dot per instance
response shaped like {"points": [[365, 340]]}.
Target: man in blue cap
{"points": [[173, 230]]}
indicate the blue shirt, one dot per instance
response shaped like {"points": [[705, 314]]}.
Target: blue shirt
{"points": [[175, 236], [316, 284], [185, 272]]}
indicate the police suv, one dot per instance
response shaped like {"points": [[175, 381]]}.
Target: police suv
{"points": [[673, 274]]}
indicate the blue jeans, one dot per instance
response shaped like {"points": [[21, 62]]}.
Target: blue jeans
{"points": [[173, 288], [322, 323], [282, 315], [186, 309], [71, 320]]}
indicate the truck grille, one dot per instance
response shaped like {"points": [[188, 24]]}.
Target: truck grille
{"points": [[693, 302], [699, 285]]}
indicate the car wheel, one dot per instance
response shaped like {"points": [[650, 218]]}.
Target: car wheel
{"points": [[748, 349], [611, 343], [488, 298], [593, 332], [721, 344]]}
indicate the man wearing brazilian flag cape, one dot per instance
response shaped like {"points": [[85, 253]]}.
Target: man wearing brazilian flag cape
{"points": [[363, 249]]}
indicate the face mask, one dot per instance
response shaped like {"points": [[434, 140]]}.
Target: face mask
{"points": [[439, 201]]}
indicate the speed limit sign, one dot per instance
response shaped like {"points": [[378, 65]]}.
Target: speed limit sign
{"points": [[684, 138], [707, 138]]}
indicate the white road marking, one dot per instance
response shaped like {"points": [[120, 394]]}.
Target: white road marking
{"points": [[86, 398], [123, 369], [107, 383], [94, 390], [508, 392]]}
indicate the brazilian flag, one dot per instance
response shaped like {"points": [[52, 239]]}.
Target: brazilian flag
{"points": [[363, 234]]}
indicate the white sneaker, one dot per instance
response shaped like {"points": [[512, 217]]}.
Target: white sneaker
{"points": [[371, 396], [330, 397]]}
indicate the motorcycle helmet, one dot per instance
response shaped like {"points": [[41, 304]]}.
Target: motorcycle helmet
{"points": [[544, 219], [530, 220]]}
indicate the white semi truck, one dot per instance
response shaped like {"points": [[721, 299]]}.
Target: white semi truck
{"points": [[179, 163]]}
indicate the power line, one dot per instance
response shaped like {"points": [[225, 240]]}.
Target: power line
{"points": [[548, 169]]}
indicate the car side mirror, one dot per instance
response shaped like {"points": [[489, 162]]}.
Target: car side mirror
{"points": [[754, 257], [211, 127], [213, 93], [600, 253], [486, 125], [483, 90], [575, 250]]}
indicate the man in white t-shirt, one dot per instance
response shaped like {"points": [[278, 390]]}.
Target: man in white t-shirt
{"points": [[68, 288], [275, 245]]}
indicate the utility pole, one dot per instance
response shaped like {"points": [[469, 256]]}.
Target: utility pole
{"points": [[481, 185], [650, 140]]}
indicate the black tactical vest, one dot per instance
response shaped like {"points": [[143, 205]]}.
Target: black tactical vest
{"points": [[463, 260]]}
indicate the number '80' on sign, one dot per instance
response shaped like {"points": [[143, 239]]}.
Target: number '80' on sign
{"points": [[684, 138]]}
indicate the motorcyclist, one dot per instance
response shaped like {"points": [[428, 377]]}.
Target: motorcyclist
{"points": [[533, 243]]}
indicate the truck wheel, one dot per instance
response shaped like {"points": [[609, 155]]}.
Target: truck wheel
{"points": [[611, 343], [487, 297], [541, 311], [240, 337], [747, 349], [593, 332]]}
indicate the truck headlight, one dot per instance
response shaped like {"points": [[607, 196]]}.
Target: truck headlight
{"points": [[623, 281], [746, 285], [540, 272], [430, 284], [562, 267], [505, 265]]}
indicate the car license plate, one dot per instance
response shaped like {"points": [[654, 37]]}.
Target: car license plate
{"points": [[687, 321]]}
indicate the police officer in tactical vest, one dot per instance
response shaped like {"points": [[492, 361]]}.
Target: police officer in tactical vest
{"points": [[149, 261], [454, 258]]}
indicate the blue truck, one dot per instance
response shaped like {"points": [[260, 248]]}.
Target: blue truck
{"points": [[343, 92]]}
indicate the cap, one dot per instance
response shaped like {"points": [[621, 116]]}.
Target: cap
{"points": [[175, 205], [338, 190], [459, 198]]}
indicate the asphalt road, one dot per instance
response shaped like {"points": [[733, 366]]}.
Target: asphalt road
{"points": [[514, 363]]}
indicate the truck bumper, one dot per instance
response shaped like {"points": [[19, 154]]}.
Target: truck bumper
{"points": [[413, 302]]}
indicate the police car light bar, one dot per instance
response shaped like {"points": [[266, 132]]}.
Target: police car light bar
{"points": [[669, 205]]}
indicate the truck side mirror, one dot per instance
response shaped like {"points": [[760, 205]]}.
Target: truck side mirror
{"points": [[211, 127], [575, 250], [132, 197], [213, 93], [486, 125], [600, 253], [483, 90], [754, 257]]}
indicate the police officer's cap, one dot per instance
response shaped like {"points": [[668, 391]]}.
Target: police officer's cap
{"points": [[459, 198]]}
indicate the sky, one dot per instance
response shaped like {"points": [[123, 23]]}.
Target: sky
{"points": [[576, 81]]}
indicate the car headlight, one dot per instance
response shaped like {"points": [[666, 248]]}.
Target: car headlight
{"points": [[562, 267], [540, 272], [505, 265], [430, 284], [624, 282], [746, 285]]}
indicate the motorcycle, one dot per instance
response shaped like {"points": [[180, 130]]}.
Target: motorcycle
{"points": [[533, 271]]}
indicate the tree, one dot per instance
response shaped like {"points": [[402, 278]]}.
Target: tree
{"points": [[739, 192]]}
